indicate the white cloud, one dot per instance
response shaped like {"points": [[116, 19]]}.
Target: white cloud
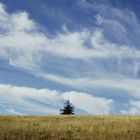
{"points": [[89, 103], [22, 43], [14, 112], [50, 101], [131, 86], [84, 4], [99, 19], [134, 108]]}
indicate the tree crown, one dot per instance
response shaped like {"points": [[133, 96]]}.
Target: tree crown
{"points": [[68, 108]]}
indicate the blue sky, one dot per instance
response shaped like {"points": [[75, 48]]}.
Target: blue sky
{"points": [[83, 50]]}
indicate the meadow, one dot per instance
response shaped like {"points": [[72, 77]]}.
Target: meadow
{"points": [[69, 127]]}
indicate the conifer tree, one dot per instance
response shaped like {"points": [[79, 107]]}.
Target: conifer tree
{"points": [[68, 109]]}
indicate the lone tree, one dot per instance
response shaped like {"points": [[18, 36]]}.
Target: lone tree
{"points": [[68, 109]]}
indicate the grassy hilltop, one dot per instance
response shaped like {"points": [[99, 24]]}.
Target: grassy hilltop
{"points": [[69, 128]]}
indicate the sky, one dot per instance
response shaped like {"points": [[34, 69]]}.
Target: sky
{"points": [[87, 51]]}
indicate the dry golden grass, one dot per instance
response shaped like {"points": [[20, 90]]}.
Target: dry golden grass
{"points": [[69, 128]]}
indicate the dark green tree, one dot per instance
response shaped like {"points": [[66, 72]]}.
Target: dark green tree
{"points": [[68, 109]]}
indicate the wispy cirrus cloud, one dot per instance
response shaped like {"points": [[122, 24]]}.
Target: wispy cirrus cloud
{"points": [[24, 45], [129, 85], [72, 45]]}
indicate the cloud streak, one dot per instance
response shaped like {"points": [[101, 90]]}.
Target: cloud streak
{"points": [[44, 101]]}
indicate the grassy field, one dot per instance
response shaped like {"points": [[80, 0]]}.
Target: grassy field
{"points": [[69, 128]]}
